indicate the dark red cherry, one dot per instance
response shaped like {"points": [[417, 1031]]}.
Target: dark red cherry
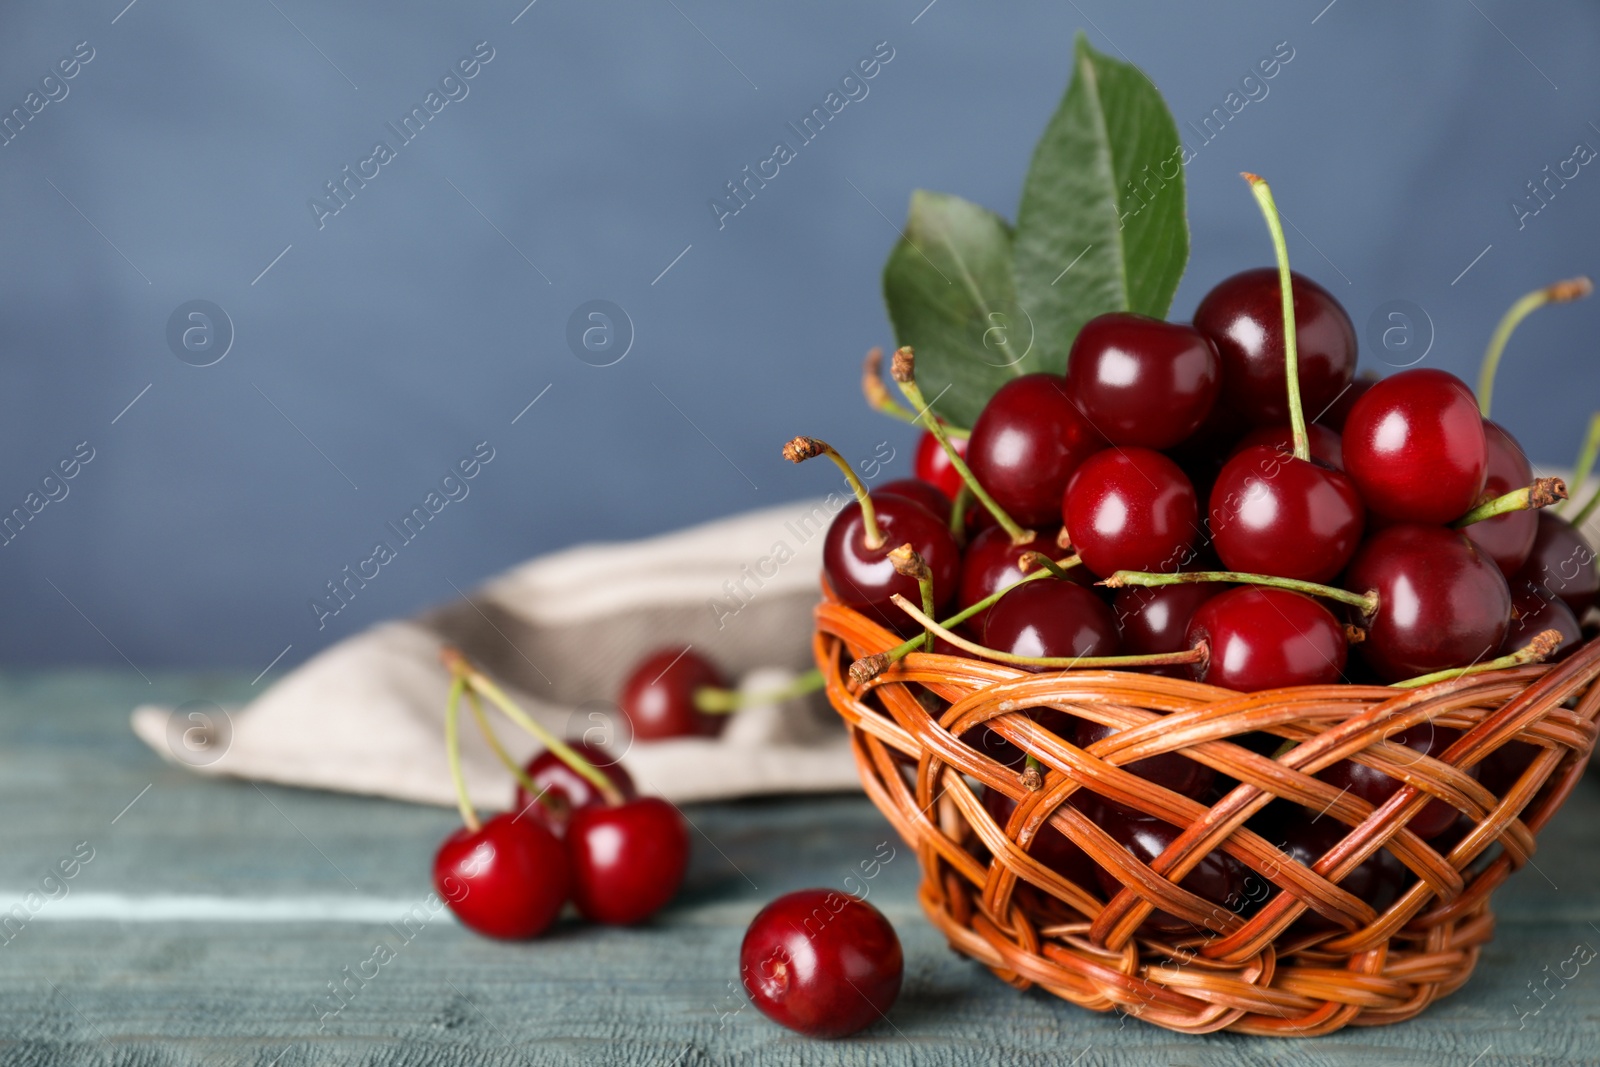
{"points": [[1168, 770], [1441, 602], [1306, 837], [1335, 414], [1051, 617], [627, 861], [1027, 441], [563, 789], [990, 564], [1375, 787], [932, 464], [821, 963], [658, 696], [1131, 509], [1561, 564], [1507, 539], [1243, 315], [925, 493], [1266, 638], [507, 879], [1414, 444], [1142, 381], [1532, 614], [1218, 877], [1324, 443], [1274, 514], [1155, 619], [1500, 770], [863, 578], [1050, 846]]}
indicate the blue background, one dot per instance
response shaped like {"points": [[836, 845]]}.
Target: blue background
{"points": [[408, 328]]}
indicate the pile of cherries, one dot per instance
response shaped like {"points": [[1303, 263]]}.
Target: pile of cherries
{"points": [[1206, 529]]}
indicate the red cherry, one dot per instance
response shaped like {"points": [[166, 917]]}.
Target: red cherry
{"points": [[1532, 614], [1324, 443], [564, 788], [1337, 412], [990, 564], [1507, 539], [1050, 846], [627, 860], [1027, 441], [1142, 381], [1414, 444], [1051, 617], [1155, 619], [1561, 564], [932, 464], [658, 696], [1131, 509], [1274, 514], [1267, 638], [924, 493], [1441, 602], [1243, 316], [863, 578], [507, 879], [1218, 877], [1375, 787], [822, 963]]}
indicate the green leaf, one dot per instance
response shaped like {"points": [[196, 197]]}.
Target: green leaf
{"points": [[949, 290], [1101, 226]]}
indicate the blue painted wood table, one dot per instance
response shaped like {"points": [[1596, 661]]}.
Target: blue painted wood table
{"points": [[206, 922]]}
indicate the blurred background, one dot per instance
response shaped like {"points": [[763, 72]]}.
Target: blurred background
{"points": [[367, 320]]}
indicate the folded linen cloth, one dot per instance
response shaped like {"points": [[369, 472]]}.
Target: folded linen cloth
{"points": [[559, 633]]}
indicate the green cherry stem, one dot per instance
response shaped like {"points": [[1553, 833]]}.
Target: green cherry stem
{"points": [[800, 449], [493, 740], [1586, 457], [903, 369], [452, 748], [1291, 354], [713, 701], [958, 513], [908, 564], [1541, 494], [1558, 293], [1539, 649], [879, 400], [1367, 602]]}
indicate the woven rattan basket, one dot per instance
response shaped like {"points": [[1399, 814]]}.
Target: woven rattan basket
{"points": [[1031, 926]]}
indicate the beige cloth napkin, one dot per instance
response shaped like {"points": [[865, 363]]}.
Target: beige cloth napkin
{"points": [[559, 632]]}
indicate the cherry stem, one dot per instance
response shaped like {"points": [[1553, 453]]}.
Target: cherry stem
{"points": [[1032, 773], [800, 449], [1367, 602], [1291, 353], [908, 564], [1030, 560], [493, 740], [1543, 645], [904, 371], [710, 700], [1585, 464], [1541, 494], [452, 747], [958, 513], [879, 400], [471, 676], [1197, 654], [1558, 293]]}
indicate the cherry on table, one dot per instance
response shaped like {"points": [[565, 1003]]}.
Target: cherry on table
{"points": [[1414, 445], [1274, 514], [1131, 509], [627, 860], [1507, 539], [932, 464], [1375, 787], [821, 963], [1142, 381], [1261, 637], [563, 789], [506, 879], [1561, 564], [658, 695], [1026, 443]]}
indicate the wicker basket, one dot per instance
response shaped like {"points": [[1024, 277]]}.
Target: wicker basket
{"points": [[1030, 926]]}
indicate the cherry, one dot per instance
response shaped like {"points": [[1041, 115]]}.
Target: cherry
{"points": [[1375, 787], [1243, 316], [932, 464], [1266, 638], [1306, 838], [1155, 620], [1131, 509], [1507, 539], [1051, 617], [1334, 416], [1415, 446], [1027, 441], [563, 790], [1049, 846], [1169, 770], [1218, 877], [627, 860], [1273, 513], [1324, 443], [1441, 602], [924, 493], [507, 878], [1142, 381], [1561, 564], [822, 963], [991, 563], [658, 696], [861, 574], [1532, 614]]}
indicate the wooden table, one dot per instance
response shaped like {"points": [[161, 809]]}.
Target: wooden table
{"points": [[213, 916]]}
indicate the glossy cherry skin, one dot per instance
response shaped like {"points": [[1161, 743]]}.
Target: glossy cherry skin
{"points": [[1323, 443], [1141, 381], [925, 493], [1027, 441], [863, 578], [932, 464], [507, 879], [1306, 838], [1051, 617], [990, 565], [627, 861], [1561, 564], [1131, 509], [1415, 446], [1441, 602], [1506, 539], [1218, 877], [821, 963], [658, 696], [564, 790], [1155, 619], [1049, 846], [1294, 518], [1532, 614], [1266, 638], [1375, 787], [1243, 315]]}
